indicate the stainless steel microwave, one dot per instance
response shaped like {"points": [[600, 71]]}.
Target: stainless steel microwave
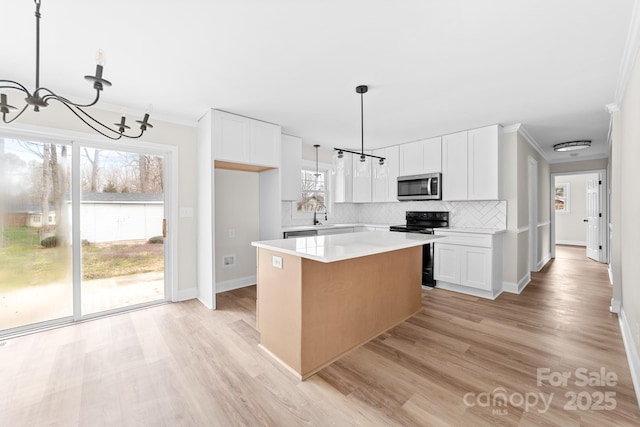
{"points": [[420, 187]]}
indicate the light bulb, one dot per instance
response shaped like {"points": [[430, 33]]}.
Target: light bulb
{"points": [[100, 59], [149, 109], [124, 112]]}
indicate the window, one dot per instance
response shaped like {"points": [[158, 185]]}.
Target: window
{"points": [[562, 198], [314, 191]]}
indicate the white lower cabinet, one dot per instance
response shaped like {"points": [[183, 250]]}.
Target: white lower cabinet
{"points": [[469, 262]]}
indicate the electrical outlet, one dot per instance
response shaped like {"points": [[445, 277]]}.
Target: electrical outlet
{"points": [[232, 233], [228, 260], [277, 261]]}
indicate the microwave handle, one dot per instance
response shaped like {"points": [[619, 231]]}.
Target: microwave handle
{"points": [[429, 186]]}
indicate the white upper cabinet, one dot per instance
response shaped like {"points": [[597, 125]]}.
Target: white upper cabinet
{"points": [[243, 140], [361, 179], [471, 164], [484, 163], [385, 181], [290, 166], [454, 166], [420, 157]]}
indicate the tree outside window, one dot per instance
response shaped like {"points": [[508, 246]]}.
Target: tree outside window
{"points": [[314, 192]]}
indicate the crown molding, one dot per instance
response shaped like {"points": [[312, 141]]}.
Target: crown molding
{"points": [[629, 54], [519, 128]]}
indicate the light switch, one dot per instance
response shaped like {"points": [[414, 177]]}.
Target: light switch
{"points": [[186, 212]]}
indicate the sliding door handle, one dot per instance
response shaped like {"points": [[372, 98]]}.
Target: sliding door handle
{"points": [[164, 228]]}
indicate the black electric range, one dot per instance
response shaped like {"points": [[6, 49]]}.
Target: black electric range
{"points": [[424, 222]]}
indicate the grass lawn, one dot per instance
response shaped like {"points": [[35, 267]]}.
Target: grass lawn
{"points": [[23, 262]]}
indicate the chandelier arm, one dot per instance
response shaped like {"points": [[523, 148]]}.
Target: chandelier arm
{"points": [[15, 117], [53, 95], [114, 138], [19, 86]]}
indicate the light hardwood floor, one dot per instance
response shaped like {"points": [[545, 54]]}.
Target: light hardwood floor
{"points": [[181, 364]]}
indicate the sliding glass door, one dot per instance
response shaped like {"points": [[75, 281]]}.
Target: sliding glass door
{"points": [[36, 282], [121, 227], [79, 236]]}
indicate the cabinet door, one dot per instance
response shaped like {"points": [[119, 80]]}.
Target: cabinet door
{"points": [[476, 268], [393, 169], [361, 180], [411, 158], [230, 137], [484, 167], [454, 166], [432, 155], [290, 166], [264, 143], [385, 179], [342, 182], [447, 263]]}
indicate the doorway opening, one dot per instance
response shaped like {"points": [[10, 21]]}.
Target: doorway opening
{"points": [[579, 213]]}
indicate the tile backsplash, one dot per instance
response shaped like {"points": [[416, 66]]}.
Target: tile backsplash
{"points": [[485, 214]]}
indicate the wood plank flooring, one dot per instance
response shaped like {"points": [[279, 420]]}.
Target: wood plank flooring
{"points": [[183, 365]]}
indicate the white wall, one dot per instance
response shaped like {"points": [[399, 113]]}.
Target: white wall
{"points": [[237, 225], [570, 226], [627, 204]]}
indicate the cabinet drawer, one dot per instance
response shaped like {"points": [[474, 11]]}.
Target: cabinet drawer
{"points": [[467, 239]]}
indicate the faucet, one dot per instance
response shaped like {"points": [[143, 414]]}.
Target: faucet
{"points": [[315, 219]]}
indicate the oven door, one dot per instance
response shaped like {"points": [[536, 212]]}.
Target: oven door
{"points": [[420, 187]]}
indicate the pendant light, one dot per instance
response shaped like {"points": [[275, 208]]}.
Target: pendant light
{"points": [[362, 167]]}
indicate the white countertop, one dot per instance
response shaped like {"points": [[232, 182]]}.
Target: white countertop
{"points": [[471, 230], [329, 226], [338, 247]]}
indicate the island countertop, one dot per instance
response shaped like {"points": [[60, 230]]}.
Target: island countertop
{"points": [[339, 247]]}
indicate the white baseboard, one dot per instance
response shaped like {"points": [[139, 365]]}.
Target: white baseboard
{"points": [[187, 294], [467, 290], [615, 306], [543, 262], [516, 288], [610, 274], [571, 242], [632, 353], [229, 285]]}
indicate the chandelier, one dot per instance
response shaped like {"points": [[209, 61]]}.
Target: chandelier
{"points": [[41, 97]]}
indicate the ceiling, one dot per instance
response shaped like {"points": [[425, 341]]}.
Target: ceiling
{"points": [[433, 67]]}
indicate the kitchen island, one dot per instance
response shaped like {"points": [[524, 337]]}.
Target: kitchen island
{"points": [[320, 297]]}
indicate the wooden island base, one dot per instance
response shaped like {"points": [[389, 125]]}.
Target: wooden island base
{"points": [[310, 313]]}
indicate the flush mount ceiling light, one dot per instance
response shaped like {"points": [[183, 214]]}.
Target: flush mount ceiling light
{"points": [[41, 97], [362, 89], [572, 145]]}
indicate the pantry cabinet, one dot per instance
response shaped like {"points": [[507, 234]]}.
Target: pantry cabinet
{"points": [[239, 139]]}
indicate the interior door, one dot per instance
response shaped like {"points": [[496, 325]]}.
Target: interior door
{"points": [[593, 218]]}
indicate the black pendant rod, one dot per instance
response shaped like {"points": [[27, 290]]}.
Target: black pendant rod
{"points": [[37, 2]]}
